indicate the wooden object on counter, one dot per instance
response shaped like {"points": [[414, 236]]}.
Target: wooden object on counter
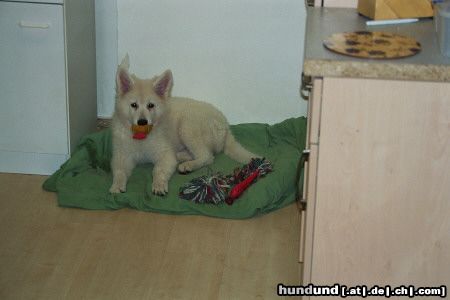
{"points": [[395, 9]]}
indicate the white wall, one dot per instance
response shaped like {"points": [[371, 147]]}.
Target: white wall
{"points": [[106, 43], [244, 56]]}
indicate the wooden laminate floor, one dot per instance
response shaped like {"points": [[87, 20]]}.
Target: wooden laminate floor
{"points": [[49, 252]]}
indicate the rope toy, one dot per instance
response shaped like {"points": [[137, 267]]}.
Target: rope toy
{"points": [[217, 188], [140, 132]]}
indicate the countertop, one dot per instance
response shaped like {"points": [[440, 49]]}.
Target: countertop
{"points": [[427, 65]]}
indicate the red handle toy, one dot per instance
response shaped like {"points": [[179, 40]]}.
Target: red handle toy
{"points": [[239, 188]]}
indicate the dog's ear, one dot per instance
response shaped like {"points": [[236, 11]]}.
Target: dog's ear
{"points": [[163, 84], [123, 78]]}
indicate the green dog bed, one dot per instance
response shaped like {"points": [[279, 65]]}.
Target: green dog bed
{"points": [[84, 180]]}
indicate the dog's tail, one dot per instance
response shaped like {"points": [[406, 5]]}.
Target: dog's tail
{"points": [[234, 150]]}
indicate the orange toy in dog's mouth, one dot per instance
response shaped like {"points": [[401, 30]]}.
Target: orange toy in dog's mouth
{"points": [[140, 132]]}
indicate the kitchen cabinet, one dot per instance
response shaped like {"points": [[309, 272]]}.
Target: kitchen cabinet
{"points": [[378, 200], [47, 80], [376, 196]]}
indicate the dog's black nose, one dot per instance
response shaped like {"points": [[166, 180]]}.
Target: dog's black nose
{"points": [[142, 122]]}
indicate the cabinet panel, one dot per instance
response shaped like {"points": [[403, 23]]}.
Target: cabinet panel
{"points": [[382, 203], [33, 114]]}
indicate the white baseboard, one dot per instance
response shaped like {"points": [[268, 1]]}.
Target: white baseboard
{"points": [[30, 163]]}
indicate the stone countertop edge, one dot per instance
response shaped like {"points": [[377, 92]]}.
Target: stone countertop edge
{"points": [[427, 65]]}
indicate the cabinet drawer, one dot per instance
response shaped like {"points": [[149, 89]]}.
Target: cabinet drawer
{"points": [[34, 109]]}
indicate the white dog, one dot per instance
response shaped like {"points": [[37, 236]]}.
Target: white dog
{"points": [[186, 133]]}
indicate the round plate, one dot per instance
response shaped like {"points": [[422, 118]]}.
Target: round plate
{"points": [[372, 44]]}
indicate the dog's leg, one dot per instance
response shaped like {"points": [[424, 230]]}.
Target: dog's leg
{"points": [[184, 155], [121, 166], [202, 157], [162, 171]]}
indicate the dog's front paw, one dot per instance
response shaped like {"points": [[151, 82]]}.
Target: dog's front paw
{"points": [[116, 189], [119, 184], [185, 167], [183, 156], [160, 187]]}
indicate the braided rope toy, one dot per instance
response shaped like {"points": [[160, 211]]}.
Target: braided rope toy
{"points": [[217, 188]]}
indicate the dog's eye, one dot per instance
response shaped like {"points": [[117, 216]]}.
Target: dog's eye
{"points": [[150, 105], [134, 105]]}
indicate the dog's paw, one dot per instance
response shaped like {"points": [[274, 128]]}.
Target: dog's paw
{"points": [[119, 184], [185, 168], [160, 187], [183, 156], [116, 189]]}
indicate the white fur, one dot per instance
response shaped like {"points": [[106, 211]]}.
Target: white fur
{"points": [[186, 133]]}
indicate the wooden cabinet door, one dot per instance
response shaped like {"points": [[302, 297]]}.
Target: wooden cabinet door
{"points": [[382, 209], [308, 188]]}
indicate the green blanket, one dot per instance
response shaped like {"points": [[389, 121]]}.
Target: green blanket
{"points": [[84, 180]]}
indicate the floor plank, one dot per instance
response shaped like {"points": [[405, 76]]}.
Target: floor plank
{"points": [[49, 252]]}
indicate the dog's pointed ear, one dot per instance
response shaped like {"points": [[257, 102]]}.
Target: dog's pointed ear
{"points": [[123, 78], [125, 62], [163, 84]]}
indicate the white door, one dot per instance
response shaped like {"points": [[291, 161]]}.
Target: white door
{"points": [[33, 110]]}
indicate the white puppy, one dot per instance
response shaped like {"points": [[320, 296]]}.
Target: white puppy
{"points": [[186, 133]]}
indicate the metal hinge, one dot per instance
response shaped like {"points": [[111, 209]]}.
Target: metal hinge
{"points": [[305, 154], [302, 204], [306, 87]]}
